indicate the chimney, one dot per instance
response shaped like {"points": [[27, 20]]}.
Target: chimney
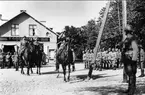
{"points": [[2, 19], [43, 22], [51, 28], [0, 16], [21, 11]]}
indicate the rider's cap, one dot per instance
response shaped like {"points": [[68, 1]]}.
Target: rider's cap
{"points": [[24, 37], [128, 29], [36, 38]]}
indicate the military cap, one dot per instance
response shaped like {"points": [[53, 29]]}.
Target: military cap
{"points": [[128, 29]]}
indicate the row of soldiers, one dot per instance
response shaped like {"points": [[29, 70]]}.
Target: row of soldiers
{"points": [[110, 58], [105, 58]]}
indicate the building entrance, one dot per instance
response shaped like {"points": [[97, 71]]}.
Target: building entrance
{"points": [[9, 48]]}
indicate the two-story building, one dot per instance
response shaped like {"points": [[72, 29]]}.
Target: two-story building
{"points": [[12, 31]]}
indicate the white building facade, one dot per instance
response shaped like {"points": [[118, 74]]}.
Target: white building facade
{"points": [[21, 25]]}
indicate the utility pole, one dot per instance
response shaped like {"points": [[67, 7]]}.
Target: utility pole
{"points": [[124, 21], [98, 39], [101, 31], [119, 15]]}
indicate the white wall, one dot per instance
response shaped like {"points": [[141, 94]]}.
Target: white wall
{"points": [[24, 21]]}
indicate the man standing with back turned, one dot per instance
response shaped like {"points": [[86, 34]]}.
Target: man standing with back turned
{"points": [[129, 57]]}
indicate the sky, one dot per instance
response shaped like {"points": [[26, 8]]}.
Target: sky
{"points": [[57, 14]]}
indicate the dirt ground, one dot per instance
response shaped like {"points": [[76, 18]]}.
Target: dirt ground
{"points": [[106, 82]]}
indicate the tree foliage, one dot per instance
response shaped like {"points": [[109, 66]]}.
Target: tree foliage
{"points": [[84, 37]]}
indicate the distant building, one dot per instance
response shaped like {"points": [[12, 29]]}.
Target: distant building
{"points": [[12, 31]]}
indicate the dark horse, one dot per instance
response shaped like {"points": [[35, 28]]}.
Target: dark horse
{"points": [[37, 55], [64, 57], [26, 58]]}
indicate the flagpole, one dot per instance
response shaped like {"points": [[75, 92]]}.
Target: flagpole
{"points": [[98, 40], [101, 31]]}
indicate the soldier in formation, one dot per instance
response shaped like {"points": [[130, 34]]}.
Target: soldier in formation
{"points": [[87, 57], [105, 59]]}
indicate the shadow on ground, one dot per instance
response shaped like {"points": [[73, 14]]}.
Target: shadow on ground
{"points": [[51, 72], [83, 77], [141, 87], [109, 90], [113, 89]]}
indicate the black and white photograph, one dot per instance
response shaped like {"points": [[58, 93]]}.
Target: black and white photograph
{"points": [[72, 47]]}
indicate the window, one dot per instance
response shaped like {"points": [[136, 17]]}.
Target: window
{"points": [[32, 30], [14, 30], [47, 33]]}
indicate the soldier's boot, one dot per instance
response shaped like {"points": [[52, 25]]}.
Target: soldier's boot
{"points": [[132, 85], [125, 78], [57, 67], [142, 73]]}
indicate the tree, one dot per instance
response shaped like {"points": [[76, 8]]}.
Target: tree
{"points": [[136, 16], [112, 29]]}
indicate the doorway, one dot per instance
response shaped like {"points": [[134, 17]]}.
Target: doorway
{"points": [[9, 48]]}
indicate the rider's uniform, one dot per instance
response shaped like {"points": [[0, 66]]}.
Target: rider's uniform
{"points": [[36, 43], [22, 46]]}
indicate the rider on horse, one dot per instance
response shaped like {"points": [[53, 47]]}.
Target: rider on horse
{"points": [[22, 46], [36, 43]]}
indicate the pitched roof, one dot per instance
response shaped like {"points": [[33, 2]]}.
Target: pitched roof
{"points": [[33, 19]]}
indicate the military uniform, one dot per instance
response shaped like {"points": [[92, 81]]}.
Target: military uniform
{"points": [[99, 60], [103, 58], [22, 46], [61, 47], [110, 59], [129, 58], [114, 59], [84, 58], [87, 59], [141, 61]]}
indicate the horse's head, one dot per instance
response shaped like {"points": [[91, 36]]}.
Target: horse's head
{"points": [[30, 45]]}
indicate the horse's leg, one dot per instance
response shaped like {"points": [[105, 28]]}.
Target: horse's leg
{"points": [[57, 66], [22, 66], [37, 67], [64, 72], [69, 70], [31, 69], [16, 66], [73, 66], [57, 70], [28, 67], [40, 68], [58, 73]]}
